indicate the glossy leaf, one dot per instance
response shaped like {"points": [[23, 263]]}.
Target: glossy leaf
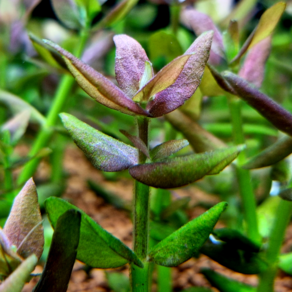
{"points": [[67, 12], [179, 171], [130, 63], [225, 284], [97, 86], [23, 228], [188, 80], [200, 23], [168, 148], [163, 79], [271, 155], [62, 254], [236, 239], [97, 248], [16, 105], [200, 139], [254, 64], [273, 112], [104, 152], [186, 241], [19, 277]]}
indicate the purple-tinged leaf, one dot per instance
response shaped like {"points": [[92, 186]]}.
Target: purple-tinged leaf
{"points": [[104, 152], [273, 112], [138, 143], [130, 63], [179, 171], [199, 138], [254, 63], [97, 86], [67, 12], [187, 82], [23, 227], [271, 155], [265, 28], [168, 148], [187, 240], [9, 259], [200, 23], [20, 276], [163, 79]]}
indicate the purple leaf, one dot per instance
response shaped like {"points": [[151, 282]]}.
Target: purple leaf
{"points": [[104, 152], [188, 80], [273, 112], [254, 63], [97, 86], [200, 23], [22, 227], [179, 171], [130, 63]]}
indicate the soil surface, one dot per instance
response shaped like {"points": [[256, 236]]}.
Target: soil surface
{"points": [[117, 221]]}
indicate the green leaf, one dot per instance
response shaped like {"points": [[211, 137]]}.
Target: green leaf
{"points": [[174, 206], [285, 263], [197, 289], [159, 231], [234, 258], [104, 152], [23, 227], [271, 155], [200, 139], [97, 248], [236, 239], [186, 241], [179, 171], [19, 277], [118, 282], [224, 284], [62, 254], [168, 148]]}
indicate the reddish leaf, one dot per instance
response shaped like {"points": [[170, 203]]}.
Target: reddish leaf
{"points": [[130, 63], [23, 228], [97, 86], [187, 82]]}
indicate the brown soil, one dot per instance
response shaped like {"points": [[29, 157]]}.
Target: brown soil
{"points": [[119, 224]]}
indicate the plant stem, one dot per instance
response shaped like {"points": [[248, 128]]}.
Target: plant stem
{"points": [[140, 276], [164, 281], [58, 103], [174, 16], [281, 221], [243, 175]]}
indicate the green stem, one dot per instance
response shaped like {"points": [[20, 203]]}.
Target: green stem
{"points": [[281, 221], [58, 103], [140, 276], [164, 282], [174, 15], [243, 175]]}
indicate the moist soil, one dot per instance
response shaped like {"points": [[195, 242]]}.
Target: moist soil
{"points": [[117, 221]]}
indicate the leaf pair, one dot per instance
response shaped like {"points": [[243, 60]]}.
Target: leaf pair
{"points": [[109, 154], [163, 92]]}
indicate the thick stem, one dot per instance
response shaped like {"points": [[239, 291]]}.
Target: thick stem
{"points": [[281, 221], [58, 103], [140, 276], [243, 175]]}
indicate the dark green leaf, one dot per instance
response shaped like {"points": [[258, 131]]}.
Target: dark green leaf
{"points": [[235, 238], [118, 282], [168, 148], [174, 206], [62, 254], [104, 152], [159, 231], [179, 171], [97, 248], [16, 281], [228, 255], [271, 155], [186, 241], [224, 284]]}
